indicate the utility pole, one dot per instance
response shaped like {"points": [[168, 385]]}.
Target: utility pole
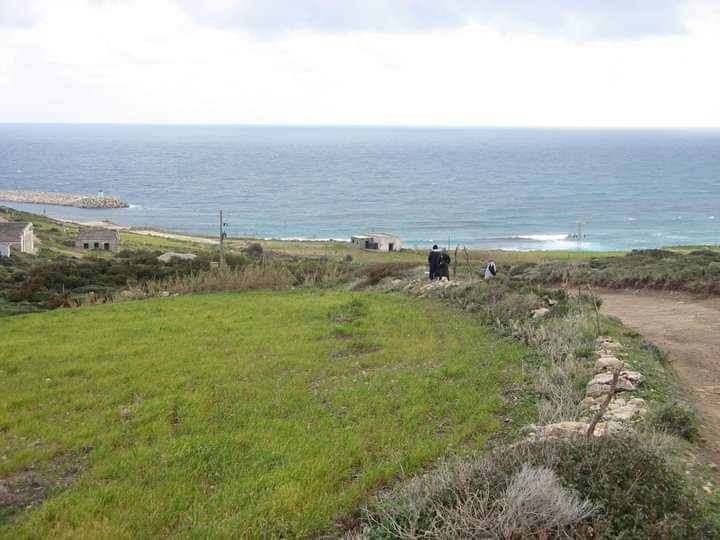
{"points": [[580, 234]]}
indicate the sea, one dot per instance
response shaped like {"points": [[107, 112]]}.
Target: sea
{"points": [[505, 188]]}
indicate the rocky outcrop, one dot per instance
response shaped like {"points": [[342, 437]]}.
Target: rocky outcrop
{"points": [[62, 199]]}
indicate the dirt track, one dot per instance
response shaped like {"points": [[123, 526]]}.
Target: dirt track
{"points": [[687, 329]]}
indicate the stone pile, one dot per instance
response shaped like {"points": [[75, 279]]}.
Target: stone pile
{"points": [[620, 412], [421, 288]]}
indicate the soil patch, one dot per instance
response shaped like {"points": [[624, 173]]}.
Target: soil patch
{"points": [[27, 488], [687, 329]]}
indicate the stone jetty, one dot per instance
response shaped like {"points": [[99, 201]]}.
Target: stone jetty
{"points": [[62, 199]]}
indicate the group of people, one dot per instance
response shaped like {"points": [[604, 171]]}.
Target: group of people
{"points": [[439, 263]]}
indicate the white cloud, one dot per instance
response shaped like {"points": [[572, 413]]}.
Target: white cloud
{"points": [[578, 18], [149, 61], [18, 13]]}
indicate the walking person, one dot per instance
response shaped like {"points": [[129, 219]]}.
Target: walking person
{"points": [[490, 271], [445, 265], [434, 259]]}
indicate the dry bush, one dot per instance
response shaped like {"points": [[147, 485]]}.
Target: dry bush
{"points": [[535, 504], [605, 487], [561, 387], [375, 273], [557, 338], [474, 498], [225, 278], [254, 276]]}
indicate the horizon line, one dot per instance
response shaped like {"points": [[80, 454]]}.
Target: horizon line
{"points": [[376, 126]]}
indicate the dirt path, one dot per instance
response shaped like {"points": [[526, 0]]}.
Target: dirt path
{"points": [[689, 331]]}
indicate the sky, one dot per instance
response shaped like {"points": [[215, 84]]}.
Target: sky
{"points": [[580, 63]]}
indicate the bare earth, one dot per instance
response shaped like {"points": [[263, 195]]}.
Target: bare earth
{"points": [[689, 331]]}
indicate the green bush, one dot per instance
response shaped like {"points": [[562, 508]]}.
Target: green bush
{"points": [[254, 250], [677, 418], [659, 355]]}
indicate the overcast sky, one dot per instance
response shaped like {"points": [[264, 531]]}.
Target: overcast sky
{"points": [[389, 62]]}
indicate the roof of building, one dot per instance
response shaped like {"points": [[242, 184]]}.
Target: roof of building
{"points": [[382, 235], [99, 235], [13, 230]]}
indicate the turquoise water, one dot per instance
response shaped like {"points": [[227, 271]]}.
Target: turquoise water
{"points": [[503, 188]]}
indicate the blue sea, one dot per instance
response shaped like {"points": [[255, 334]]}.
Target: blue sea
{"points": [[487, 187]]}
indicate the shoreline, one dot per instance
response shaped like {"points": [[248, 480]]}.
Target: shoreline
{"points": [[199, 238], [61, 199]]}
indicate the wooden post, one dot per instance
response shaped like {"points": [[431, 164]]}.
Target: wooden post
{"points": [[457, 247], [597, 311], [222, 239]]}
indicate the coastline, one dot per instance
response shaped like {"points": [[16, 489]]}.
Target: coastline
{"points": [[200, 238]]}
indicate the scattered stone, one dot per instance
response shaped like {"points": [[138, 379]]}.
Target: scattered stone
{"points": [[607, 363], [610, 428], [600, 383], [563, 430], [170, 255], [540, 312]]}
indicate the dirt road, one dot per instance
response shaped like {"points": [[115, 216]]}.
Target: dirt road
{"points": [[689, 331]]}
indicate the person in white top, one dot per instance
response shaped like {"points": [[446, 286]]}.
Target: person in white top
{"points": [[491, 270]]}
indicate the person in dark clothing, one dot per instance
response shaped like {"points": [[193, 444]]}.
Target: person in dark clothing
{"points": [[434, 259], [444, 270]]}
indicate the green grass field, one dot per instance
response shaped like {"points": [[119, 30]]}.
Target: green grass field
{"points": [[254, 415]]}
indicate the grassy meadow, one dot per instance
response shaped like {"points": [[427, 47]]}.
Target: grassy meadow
{"points": [[251, 415]]}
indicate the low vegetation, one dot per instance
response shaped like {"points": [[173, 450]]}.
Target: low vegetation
{"points": [[256, 415], [625, 487], [694, 271], [280, 414], [608, 487]]}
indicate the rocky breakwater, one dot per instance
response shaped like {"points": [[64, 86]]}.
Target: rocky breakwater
{"points": [[62, 199]]}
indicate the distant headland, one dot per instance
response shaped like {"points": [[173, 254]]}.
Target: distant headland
{"points": [[63, 199]]}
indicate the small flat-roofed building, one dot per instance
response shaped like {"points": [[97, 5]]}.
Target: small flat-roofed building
{"points": [[17, 235], [104, 239], [377, 241]]}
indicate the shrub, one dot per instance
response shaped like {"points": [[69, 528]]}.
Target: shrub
{"points": [[659, 355], [603, 488], [677, 418], [254, 250], [375, 273], [561, 387], [255, 276]]}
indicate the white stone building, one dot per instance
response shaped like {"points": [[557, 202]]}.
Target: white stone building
{"points": [[377, 241], [104, 239], [16, 236]]}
